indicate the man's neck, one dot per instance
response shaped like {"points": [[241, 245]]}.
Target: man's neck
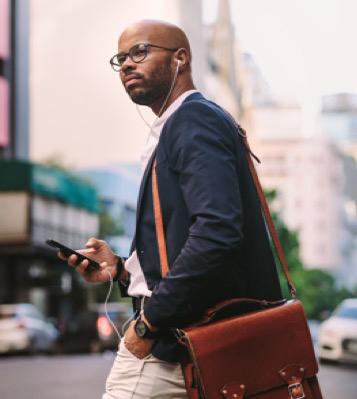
{"points": [[176, 93]]}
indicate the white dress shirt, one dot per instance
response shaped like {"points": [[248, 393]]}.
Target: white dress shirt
{"points": [[138, 286]]}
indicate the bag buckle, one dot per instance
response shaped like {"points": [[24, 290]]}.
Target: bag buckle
{"points": [[296, 391]]}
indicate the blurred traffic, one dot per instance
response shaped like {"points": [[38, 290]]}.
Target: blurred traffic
{"points": [[337, 338], [24, 329], [91, 330]]}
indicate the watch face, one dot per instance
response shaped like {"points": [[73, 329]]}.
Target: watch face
{"points": [[140, 328]]}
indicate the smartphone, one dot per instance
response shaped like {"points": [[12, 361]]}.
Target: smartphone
{"points": [[68, 252]]}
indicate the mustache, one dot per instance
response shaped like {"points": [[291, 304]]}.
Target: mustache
{"points": [[134, 74]]}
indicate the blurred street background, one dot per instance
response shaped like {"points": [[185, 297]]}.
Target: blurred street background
{"points": [[70, 142]]}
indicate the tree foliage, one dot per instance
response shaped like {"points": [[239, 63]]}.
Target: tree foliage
{"points": [[108, 225], [316, 288]]}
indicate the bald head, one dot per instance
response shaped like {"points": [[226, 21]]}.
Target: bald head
{"points": [[155, 63], [157, 32]]}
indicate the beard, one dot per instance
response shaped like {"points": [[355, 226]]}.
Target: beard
{"points": [[157, 85]]}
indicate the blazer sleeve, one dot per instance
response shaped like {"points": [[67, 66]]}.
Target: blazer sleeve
{"points": [[202, 148]]}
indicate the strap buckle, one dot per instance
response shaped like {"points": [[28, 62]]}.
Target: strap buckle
{"points": [[296, 391], [177, 333]]}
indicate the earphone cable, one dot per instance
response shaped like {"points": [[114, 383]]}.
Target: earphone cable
{"points": [[106, 308], [162, 107]]}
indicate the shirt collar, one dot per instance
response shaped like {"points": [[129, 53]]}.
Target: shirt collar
{"points": [[159, 124], [153, 139]]}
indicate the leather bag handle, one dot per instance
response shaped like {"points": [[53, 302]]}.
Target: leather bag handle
{"points": [[160, 228]]}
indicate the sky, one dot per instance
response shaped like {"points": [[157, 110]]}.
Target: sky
{"points": [[79, 111], [304, 47]]}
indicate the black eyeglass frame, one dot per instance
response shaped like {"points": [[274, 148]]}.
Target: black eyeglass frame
{"points": [[117, 67]]}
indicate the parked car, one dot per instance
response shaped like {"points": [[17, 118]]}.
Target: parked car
{"points": [[24, 329], [337, 339], [91, 331]]}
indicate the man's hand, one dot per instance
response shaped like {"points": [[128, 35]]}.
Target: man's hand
{"points": [[139, 347], [99, 251]]}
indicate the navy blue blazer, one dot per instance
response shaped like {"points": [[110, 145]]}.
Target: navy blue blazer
{"points": [[217, 243]]}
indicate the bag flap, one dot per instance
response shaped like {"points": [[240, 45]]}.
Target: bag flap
{"points": [[253, 349]]}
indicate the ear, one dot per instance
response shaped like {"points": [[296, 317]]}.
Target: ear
{"points": [[183, 58]]}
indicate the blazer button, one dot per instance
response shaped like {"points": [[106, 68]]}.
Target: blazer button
{"points": [[141, 251]]}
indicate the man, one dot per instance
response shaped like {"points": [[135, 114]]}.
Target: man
{"points": [[216, 239]]}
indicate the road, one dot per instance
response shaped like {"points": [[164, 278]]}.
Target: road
{"points": [[338, 381], [83, 377]]}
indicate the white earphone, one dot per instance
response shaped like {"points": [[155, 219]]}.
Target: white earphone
{"points": [[179, 62]]}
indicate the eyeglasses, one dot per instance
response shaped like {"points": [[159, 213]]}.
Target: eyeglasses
{"points": [[137, 54]]}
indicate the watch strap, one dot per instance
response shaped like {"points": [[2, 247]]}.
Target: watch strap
{"points": [[120, 267]]}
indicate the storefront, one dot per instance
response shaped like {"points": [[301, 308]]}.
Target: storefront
{"points": [[37, 203]]}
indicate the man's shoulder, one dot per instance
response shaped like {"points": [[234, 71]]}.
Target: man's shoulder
{"points": [[196, 110], [197, 120], [196, 102]]}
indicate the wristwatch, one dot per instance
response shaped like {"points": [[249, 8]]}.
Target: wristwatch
{"points": [[142, 330]]}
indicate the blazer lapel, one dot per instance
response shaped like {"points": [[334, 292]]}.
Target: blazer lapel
{"points": [[194, 96]]}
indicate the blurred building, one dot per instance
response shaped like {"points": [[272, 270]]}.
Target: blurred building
{"points": [[339, 121], [339, 126], [223, 72], [309, 174], [4, 83], [118, 188], [38, 203], [256, 89], [14, 109]]}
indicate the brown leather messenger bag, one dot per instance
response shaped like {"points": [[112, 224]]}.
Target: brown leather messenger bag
{"points": [[246, 348]]}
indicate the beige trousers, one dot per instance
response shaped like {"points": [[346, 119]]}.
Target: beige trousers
{"points": [[147, 378]]}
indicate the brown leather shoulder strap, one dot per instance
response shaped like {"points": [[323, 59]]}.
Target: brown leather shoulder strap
{"points": [[159, 223], [264, 205]]}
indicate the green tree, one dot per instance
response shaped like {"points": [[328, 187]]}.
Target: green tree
{"points": [[315, 288], [108, 225]]}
